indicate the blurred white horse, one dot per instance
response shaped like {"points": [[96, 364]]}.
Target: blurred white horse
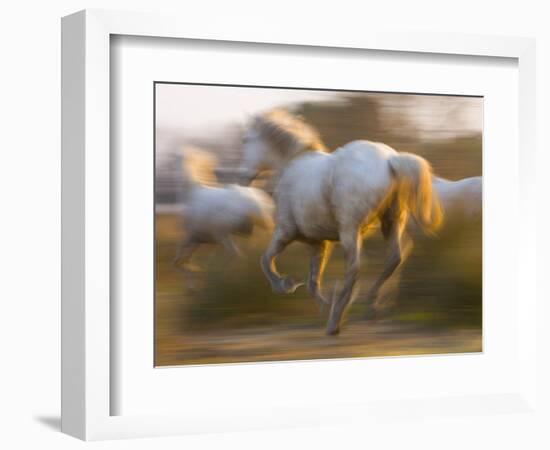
{"points": [[276, 137], [212, 213], [324, 197]]}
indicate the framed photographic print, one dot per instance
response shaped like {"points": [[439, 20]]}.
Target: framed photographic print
{"points": [[260, 228]]}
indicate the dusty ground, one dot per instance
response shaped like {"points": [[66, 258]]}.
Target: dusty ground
{"points": [[226, 313], [278, 343]]}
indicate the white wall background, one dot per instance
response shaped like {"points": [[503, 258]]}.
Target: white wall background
{"points": [[30, 189]]}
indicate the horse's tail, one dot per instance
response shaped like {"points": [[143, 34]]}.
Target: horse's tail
{"points": [[413, 175]]}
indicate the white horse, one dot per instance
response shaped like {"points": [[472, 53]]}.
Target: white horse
{"points": [[277, 137], [325, 197], [212, 213]]}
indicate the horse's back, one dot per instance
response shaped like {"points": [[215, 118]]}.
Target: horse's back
{"points": [[461, 199], [214, 210], [361, 179], [356, 159], [366, 150]]}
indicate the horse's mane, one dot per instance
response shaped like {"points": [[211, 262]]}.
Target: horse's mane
{"points": [[287, 131], [198, 165]]}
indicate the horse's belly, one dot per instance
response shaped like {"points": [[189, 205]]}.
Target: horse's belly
{"points": [[318, 231], [314, 219]]}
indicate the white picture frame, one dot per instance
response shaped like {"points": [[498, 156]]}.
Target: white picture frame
{"points": [[86, 284]]}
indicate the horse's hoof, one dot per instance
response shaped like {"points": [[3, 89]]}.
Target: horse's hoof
{"points": [[333, 331], [287, 286]]}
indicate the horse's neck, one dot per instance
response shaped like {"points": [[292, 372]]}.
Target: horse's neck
{"points": [[187, 186], [298, 150]]}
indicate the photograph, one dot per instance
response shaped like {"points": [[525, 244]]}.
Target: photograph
{"points": [[295, 223]]}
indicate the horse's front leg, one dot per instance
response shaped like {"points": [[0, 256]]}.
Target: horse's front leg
{"points": [[230, 247], [319, 256], [351, 243], [400, 248], [279, 284], [186, 248]]}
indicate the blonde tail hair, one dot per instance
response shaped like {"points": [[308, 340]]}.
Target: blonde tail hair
{"points": [[413, 176]]}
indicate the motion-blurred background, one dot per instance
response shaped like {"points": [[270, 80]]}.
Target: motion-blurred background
{"points": [[226, 312]]}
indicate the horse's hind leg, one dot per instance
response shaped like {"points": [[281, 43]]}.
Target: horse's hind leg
{"points": [[319, 256], [400, 248], [351, 243], [279, 284]]}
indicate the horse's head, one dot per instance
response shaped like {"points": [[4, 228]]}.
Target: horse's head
{"points": [[257, 155], [272, 139]]}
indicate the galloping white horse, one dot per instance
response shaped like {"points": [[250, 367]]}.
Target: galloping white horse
{"points": [[212, 213], [324, 197], [276, 137]]}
